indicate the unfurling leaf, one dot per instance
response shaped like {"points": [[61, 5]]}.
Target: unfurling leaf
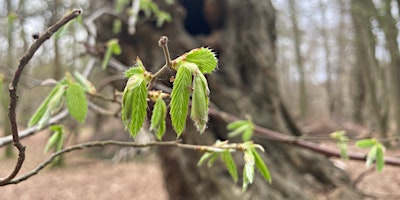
{"points": [[158, 118], [204, 58], [52, 101], [134, 105], [200, 99], [244, 127], [113, 48], [138, 69], [56, 140], [366, 143], [230, 164], [261, 165], [205, 156], [371, 155], [76, 101], [236, 124], [87, 85], [180, 99], [380, 161]]}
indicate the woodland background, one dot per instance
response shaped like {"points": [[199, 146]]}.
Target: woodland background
{"points": [[318, 66]]}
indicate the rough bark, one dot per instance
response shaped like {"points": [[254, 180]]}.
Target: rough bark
{"points": [[245, 84], [362, 11]]}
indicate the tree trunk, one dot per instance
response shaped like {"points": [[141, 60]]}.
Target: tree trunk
{"points": [[303, 103], [245, 84], [362, 11]]}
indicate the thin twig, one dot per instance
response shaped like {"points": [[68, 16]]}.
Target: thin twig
{"points": [[163, 43], [13, 90], [118, 143]]}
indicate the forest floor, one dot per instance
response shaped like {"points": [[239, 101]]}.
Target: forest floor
{"points": [[85, 177]]}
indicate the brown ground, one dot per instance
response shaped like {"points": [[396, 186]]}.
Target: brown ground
{"points": [[88, 178], [83, 177]]}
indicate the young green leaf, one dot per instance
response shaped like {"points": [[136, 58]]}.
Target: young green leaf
{"points": [[204, 157], [371, 155], [135, 70], [56, 140], [180, 99], [158, 118], [261, 165], [205, 58], [343, 150], [112, 48], [247, 134], [239, 130], [134, 106], [56, 93], [366, 143], [380, 161], [249, 165], [236, 124], [212, 159], [76, 102], [87, 85], [199, 111], [230, 165]]}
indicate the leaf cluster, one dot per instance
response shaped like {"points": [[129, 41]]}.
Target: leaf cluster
{"points": [[375, 154], [70, 90], [251, 158]]}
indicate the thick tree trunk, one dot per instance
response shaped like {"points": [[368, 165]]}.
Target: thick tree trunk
{"points": [[245, 84]]}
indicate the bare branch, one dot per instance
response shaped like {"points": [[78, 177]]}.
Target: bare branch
{"points": [[13, 89], [177, 143], [298, 141]]}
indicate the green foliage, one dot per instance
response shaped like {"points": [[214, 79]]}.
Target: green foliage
{"points": [[134, 103], [1, 85], [261, 166], [376, 152], [48, 106], [342, 142], [244, 127], [148, 7], [76, 101], [113, 48], [86, 84], [56, 140], [134, 106], [180, 99], [366, 143], [251, 157], [227, 158], [158, 123], [205, 58], [200, 99]]}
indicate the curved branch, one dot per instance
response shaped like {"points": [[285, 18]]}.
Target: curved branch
{"points": [[40, 167], [13, 89], [298, 141]]}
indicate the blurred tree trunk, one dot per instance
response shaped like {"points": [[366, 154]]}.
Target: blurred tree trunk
{"points": [[10, 64], [388, 24], [328, 66], [245, 84], [366, 63], [303, 103], [58, 67]]}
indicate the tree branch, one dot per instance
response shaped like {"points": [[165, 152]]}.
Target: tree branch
{"points": [[163, 43], [13, 90], [297, 141], [120, 143]]}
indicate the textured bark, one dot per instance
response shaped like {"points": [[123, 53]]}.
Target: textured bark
{"points": [[245, 84], [367, 64]]}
